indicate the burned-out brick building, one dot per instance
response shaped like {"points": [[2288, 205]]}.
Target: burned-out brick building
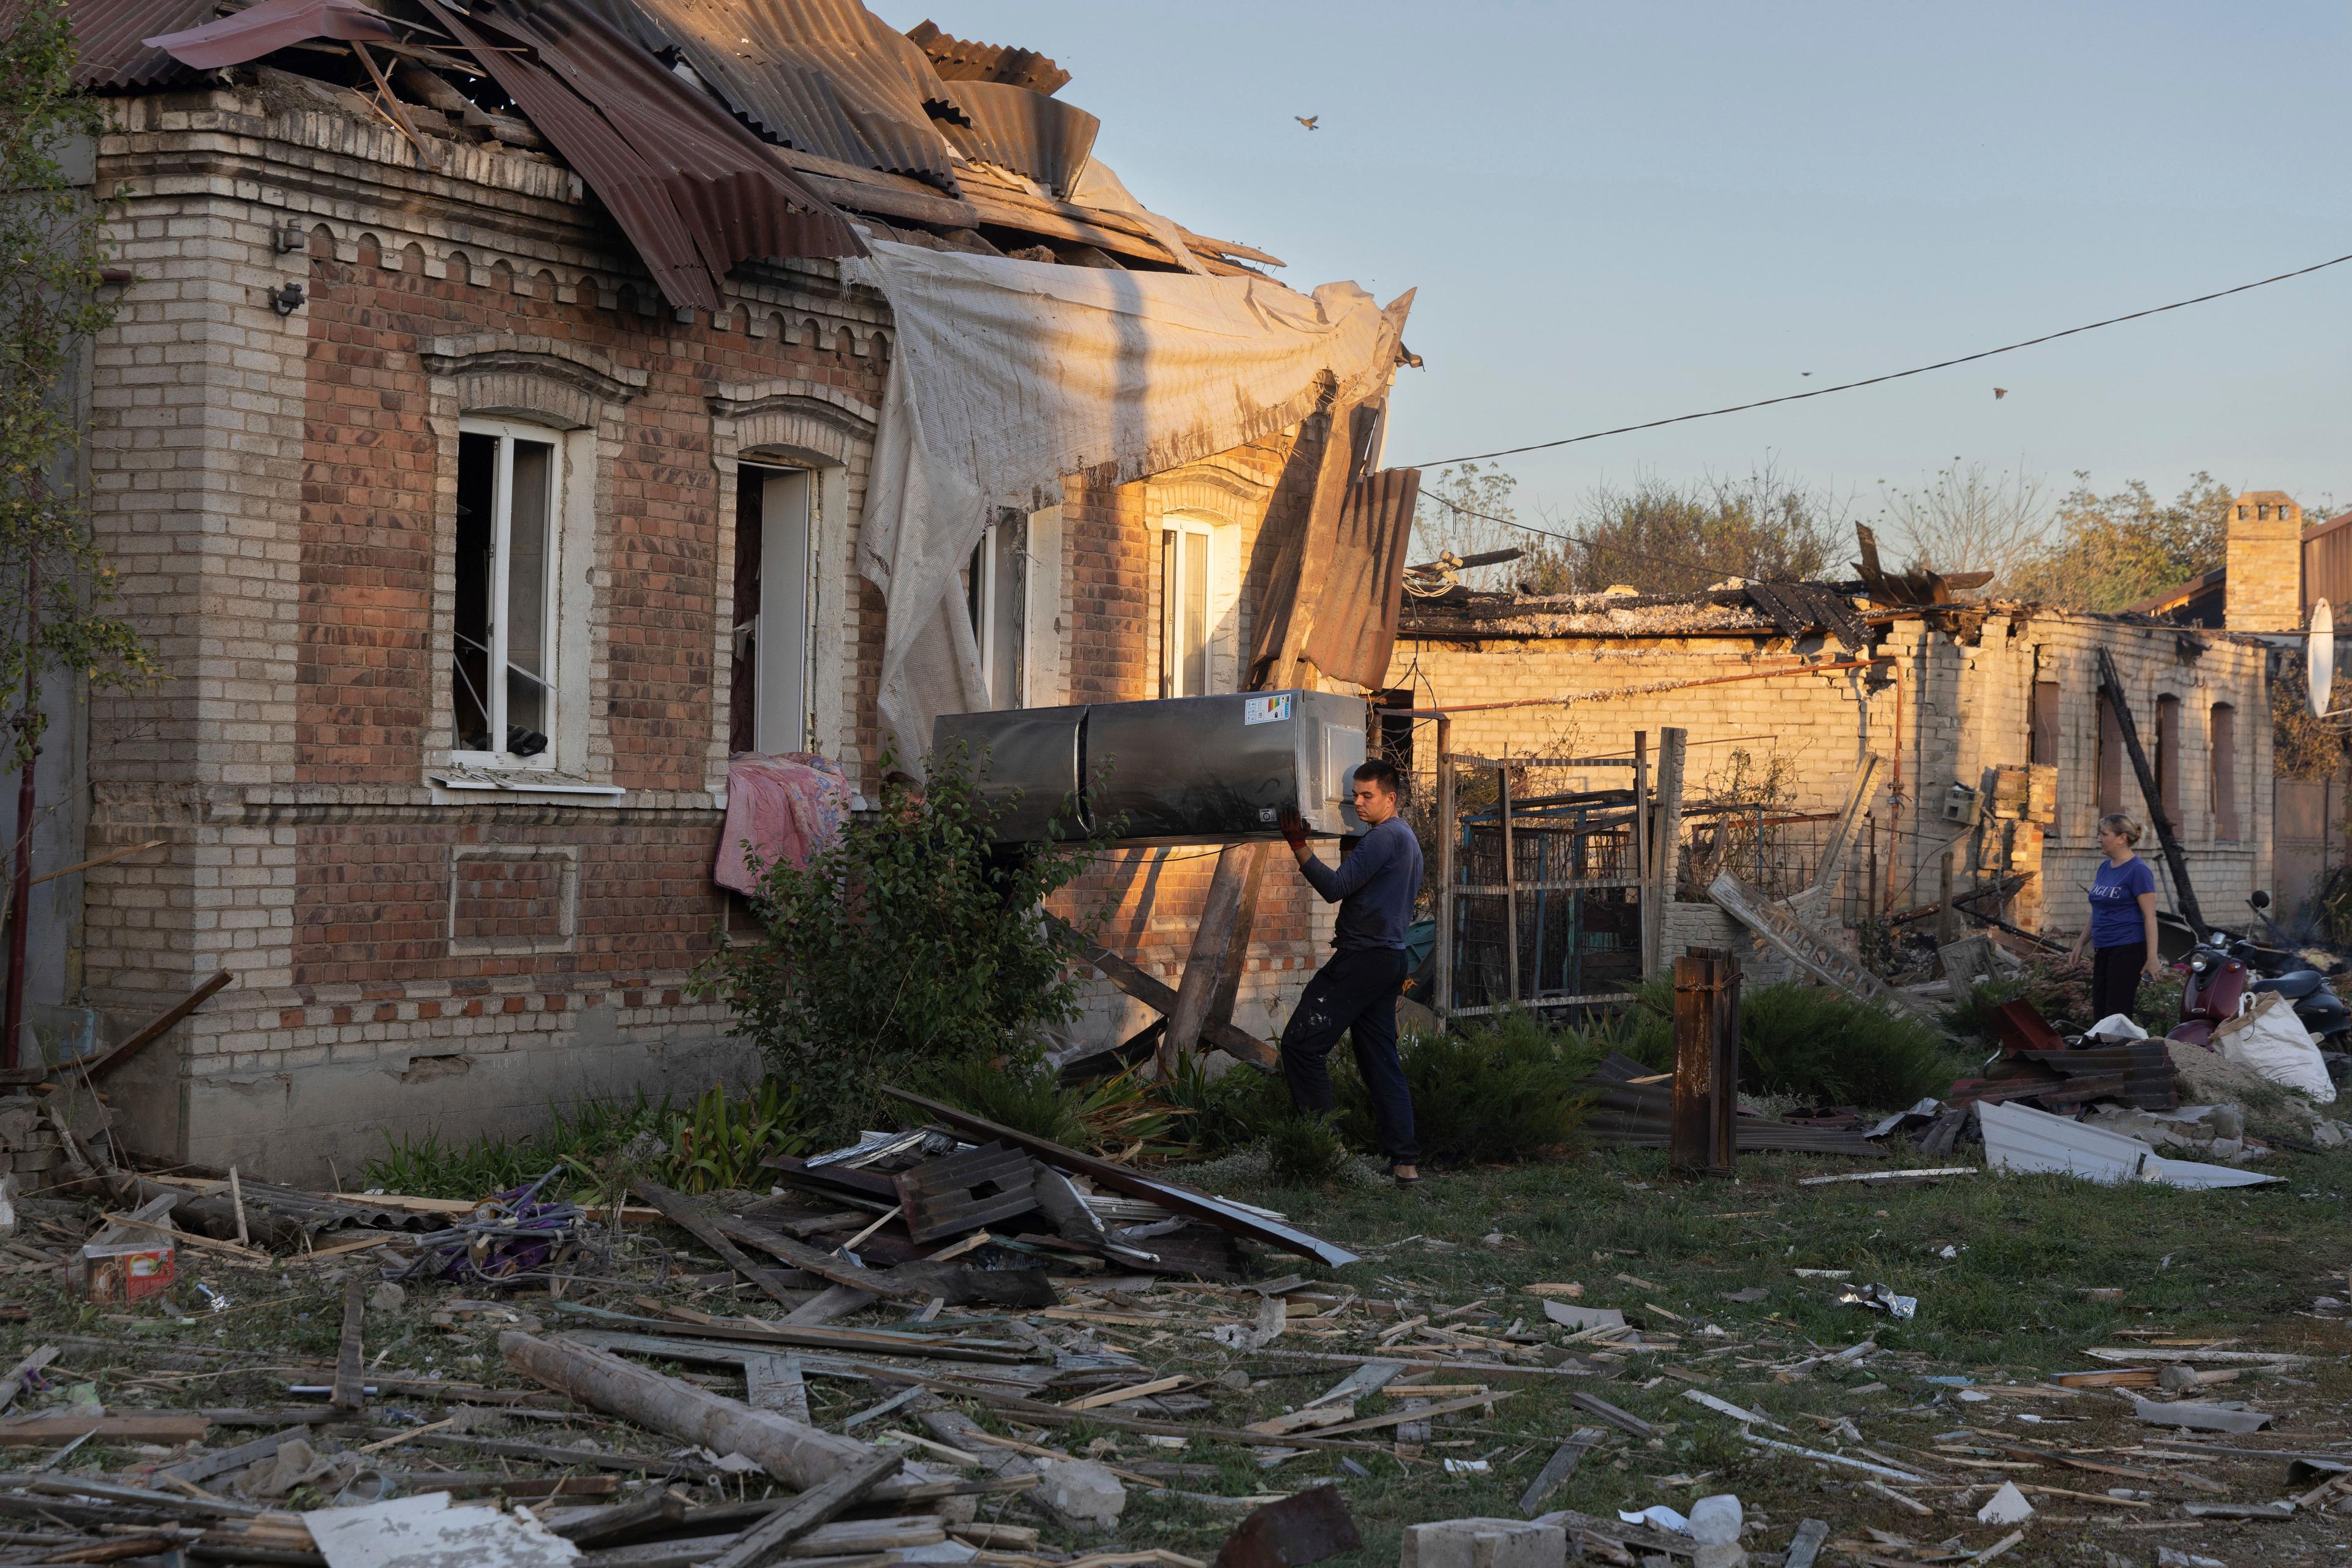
{"points": [[1784, 691], [491, 441]]}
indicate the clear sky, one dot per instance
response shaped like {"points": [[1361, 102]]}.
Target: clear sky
{"points": [[1621, 212]]}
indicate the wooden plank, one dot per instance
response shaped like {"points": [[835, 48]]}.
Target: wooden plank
{"points": [[1807, 947], [689, 1216], [775, 1383], [828, 1267], [115, 1055], [2111, 688], [1558, 1468], [1160, 998], [767, 1540], [834, 1302], [653, 1506], [351, 1387], [1666, 843], [1805, 1547], [117, 1426]]}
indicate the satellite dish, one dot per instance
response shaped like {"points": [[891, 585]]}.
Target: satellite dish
{"points": [[2319, 655]]}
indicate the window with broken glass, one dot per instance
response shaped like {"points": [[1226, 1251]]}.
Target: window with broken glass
{"points": [[502, 680]]}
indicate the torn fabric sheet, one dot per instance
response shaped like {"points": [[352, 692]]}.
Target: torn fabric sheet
{"points": [[1008, 374]]}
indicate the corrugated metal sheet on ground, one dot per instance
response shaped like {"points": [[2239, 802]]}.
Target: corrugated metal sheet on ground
{"points": [[108, 34], [694, 192], [823, 75], [1043, 138]]}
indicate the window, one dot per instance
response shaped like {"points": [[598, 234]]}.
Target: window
{"points": [[1185, 625], [510, 485], [2168, 757], [2225, 753], [996, 590], [2041, 742], [768, 694], [2110, 772]]}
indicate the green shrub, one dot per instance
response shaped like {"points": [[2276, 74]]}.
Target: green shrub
{"points": [[1507, 1089], [907, 942], [1120, 1118], [1221, 1115], [717, 1142], [1817, 1043], [1305, 1151]]}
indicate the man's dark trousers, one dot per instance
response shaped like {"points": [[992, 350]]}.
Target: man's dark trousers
{"points": [[1355, 993]]}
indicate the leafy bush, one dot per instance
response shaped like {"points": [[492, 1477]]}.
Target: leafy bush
{"points": [[908, 941], [1120, 1118], [1222, 1114], [1809, 1041], [717, 1142], [1305, 1151], [1509, 1090]]}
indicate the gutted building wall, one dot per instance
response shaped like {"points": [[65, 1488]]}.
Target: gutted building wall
{"points": [[1939, 709]]}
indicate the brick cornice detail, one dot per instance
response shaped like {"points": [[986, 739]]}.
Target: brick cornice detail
{"points": [[827, 405], [576, 365]]}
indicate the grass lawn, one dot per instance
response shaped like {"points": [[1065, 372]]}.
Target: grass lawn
{"points": [[2002, 1269]]}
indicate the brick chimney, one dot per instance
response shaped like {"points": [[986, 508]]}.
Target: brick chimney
{"points": [[2264, 589]]}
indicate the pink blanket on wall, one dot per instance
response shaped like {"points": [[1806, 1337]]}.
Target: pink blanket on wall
{"points": [[778, 808]]}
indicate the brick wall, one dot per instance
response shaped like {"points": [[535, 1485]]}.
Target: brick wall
{"points": [[1940, 710]]}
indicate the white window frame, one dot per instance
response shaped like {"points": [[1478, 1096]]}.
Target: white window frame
{"points": [[506, 432], [1172, 592], [782, 690], [981, 587]]}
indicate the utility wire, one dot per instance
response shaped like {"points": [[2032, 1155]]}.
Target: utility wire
{"points": [[1892, 375], [1585, 543]]}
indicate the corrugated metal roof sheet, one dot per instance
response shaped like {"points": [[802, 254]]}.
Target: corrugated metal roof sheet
{"points": [[960, 59], [1043, 138], [110, 33], [271, 25], [825, 76], [693, 190]]}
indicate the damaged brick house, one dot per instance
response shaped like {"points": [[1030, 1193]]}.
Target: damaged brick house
{"points": [[515, 412], [1784, 689]]}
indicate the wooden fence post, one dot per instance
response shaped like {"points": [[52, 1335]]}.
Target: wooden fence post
{"points": [[1665, 846], [1702, 1135], [1447, 828]]}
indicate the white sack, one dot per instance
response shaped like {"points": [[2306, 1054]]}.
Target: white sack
{"points": [[1007, 374], [2118, 1027], [2272, 1041]]}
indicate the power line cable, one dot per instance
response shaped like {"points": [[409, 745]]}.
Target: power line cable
{"points": [[1586, 543], [1892, 375]]}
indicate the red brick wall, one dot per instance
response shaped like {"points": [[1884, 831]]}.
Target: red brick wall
{"points": [[368, 498], [372, 903]]}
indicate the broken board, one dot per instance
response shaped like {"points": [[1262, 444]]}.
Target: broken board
{"points": [[1810, 949]]}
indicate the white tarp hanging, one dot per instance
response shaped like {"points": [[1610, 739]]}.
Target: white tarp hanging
{"points": [[1008, 374]]}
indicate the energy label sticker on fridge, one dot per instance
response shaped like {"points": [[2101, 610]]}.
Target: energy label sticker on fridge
{"points": [[1266, 709]]}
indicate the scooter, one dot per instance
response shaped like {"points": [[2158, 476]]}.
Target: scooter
{"points": [[2323, 1014], [2220, 979]]}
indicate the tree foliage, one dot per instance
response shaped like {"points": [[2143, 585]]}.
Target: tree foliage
{"points": [[1666, 538], [908, 941], [52, 245], [1468, 510], [2111, 551]]}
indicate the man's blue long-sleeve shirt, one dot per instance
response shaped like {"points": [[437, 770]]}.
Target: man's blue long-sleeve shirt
{"points": [[1374, 887]]}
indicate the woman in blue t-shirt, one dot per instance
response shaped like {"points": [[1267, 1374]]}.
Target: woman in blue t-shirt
{"points": [[2122, 932]]}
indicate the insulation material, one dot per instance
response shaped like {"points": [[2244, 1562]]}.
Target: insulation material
{"points": [[425, 1531], [1009, 374], [2270, 1040]]}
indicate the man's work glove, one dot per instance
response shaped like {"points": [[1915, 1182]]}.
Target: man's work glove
{"points": [[1294, 829]]}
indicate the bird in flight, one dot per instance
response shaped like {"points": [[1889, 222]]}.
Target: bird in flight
{"points": [[1998, 392], [1307, 120]]}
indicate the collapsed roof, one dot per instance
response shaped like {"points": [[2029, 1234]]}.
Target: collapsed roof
{"points": [[714, 130]]}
